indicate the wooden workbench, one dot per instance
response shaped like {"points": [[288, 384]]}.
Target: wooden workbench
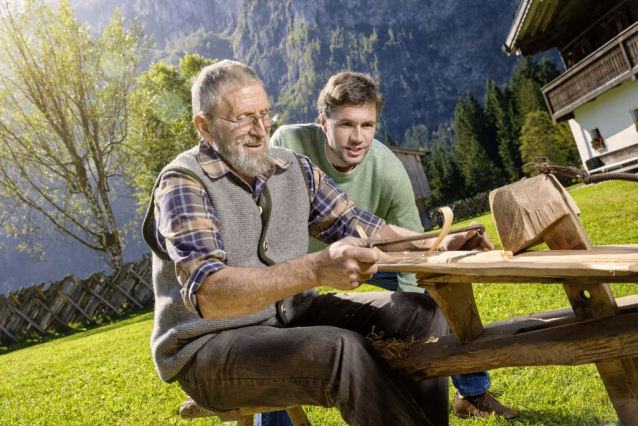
{"points": [[596, 329]]}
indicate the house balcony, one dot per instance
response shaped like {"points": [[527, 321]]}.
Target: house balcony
{"points": [[605, 68]]}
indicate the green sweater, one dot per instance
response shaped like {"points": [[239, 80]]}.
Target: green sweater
{"points": [[379, 185]]}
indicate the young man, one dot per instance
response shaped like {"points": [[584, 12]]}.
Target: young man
{"points": [[343, 146], [238, 321]]}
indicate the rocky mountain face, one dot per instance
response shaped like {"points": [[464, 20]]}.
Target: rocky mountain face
{"points": [[425, 53]]}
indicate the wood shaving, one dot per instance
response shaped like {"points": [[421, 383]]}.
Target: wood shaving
{"points": [[392, 349], [506, 254]]}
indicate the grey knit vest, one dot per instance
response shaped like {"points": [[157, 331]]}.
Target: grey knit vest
{"points": [[251, 239]]}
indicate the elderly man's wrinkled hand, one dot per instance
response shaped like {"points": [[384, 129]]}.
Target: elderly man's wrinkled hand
{"points": [[346, 264]]}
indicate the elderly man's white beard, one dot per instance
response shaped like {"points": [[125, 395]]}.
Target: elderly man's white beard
{"points": [[238, 159]]}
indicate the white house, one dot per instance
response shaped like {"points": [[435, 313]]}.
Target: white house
{"points": [[598, 93]]}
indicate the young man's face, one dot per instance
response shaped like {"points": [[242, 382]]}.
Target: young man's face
{"points": [[349, 132]]}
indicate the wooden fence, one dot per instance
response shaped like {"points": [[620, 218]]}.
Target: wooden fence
{"points": [[464, 209], [37, 309]]}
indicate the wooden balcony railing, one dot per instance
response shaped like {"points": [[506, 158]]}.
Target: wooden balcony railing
{"points": [[610, 65]]}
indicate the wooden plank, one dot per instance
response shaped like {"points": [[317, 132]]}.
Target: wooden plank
{"points": [[95, 307], [620, 377], [190, 410], [113, 308], [15, 299], [75, 305], [601, 263], [8, 333], [298, 416], [53, 314], [27, 319], [591, 300], [139, 277], [510, 344], [512, 279], [33, 308], [40, 292], [121, 290], [248, 420], [459, 307]]}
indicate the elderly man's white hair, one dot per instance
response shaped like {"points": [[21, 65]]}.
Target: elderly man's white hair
{"points": [[215, 79]]}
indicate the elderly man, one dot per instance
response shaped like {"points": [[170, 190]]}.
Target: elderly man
{"points": [[343, 146], [238, 321]]}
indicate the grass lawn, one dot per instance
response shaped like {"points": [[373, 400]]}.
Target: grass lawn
{"points": [[105, 375]]}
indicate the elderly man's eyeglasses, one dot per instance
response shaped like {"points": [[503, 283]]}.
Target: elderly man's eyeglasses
{"points": [[250, 122]]}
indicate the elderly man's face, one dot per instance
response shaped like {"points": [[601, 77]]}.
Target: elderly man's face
{"points": [[349, 132], [248, 153]]}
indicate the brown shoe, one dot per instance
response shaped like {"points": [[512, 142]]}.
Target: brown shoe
{"points": [[481, 407]]}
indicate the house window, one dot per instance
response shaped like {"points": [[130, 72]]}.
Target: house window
{"points": [[618, 22], [581, 50], [597, 142]]}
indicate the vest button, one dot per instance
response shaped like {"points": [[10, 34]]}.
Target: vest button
{"points": [[265, 245], [283, 309], [261, 210]]}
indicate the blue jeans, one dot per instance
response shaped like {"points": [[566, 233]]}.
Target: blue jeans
{"points": [[473, 384]]}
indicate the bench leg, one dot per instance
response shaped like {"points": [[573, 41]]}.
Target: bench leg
{"points": [[457, 303], [298, 416], [620, 376], [247, 420]]}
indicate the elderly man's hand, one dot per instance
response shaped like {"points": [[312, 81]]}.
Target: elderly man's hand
{"points": [[346, 264], [456, 241]]}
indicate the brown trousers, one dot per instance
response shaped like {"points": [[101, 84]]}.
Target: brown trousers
{"points": [[324, 359]]}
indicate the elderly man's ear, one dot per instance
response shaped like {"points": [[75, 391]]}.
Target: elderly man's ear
{"points": [[201, 124]]}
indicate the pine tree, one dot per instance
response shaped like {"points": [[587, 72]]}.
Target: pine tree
{"points": [[389, 141], [508, 135], [493, 109], [479, 166], [444, 177], [416, 137]]}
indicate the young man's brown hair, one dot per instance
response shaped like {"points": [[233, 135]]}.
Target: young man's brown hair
{"points": [[352, 88]]}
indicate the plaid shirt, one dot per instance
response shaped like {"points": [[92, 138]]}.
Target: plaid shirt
{"points": [[188, 229]]}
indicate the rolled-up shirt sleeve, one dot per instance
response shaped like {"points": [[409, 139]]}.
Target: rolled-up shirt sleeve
{"points": [[332, 215], [188, 230]]}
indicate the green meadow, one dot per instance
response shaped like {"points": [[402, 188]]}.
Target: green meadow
{"points": [[104, 375]]}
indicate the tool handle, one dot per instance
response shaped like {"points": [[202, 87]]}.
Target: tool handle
{"points": [[473, 242], [477, 228]]}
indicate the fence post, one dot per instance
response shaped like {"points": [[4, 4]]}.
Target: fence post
{"points": [[132, 271], [72, 303], [53, 314], [5, 331], [94, 293], [27, 319], [128, 296]]}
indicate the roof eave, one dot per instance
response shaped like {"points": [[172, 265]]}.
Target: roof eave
{"points": [[510, 46]]}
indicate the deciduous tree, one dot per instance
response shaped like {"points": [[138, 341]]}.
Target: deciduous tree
{"points": [[161, 124], [64, 97], [540, 137]]}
